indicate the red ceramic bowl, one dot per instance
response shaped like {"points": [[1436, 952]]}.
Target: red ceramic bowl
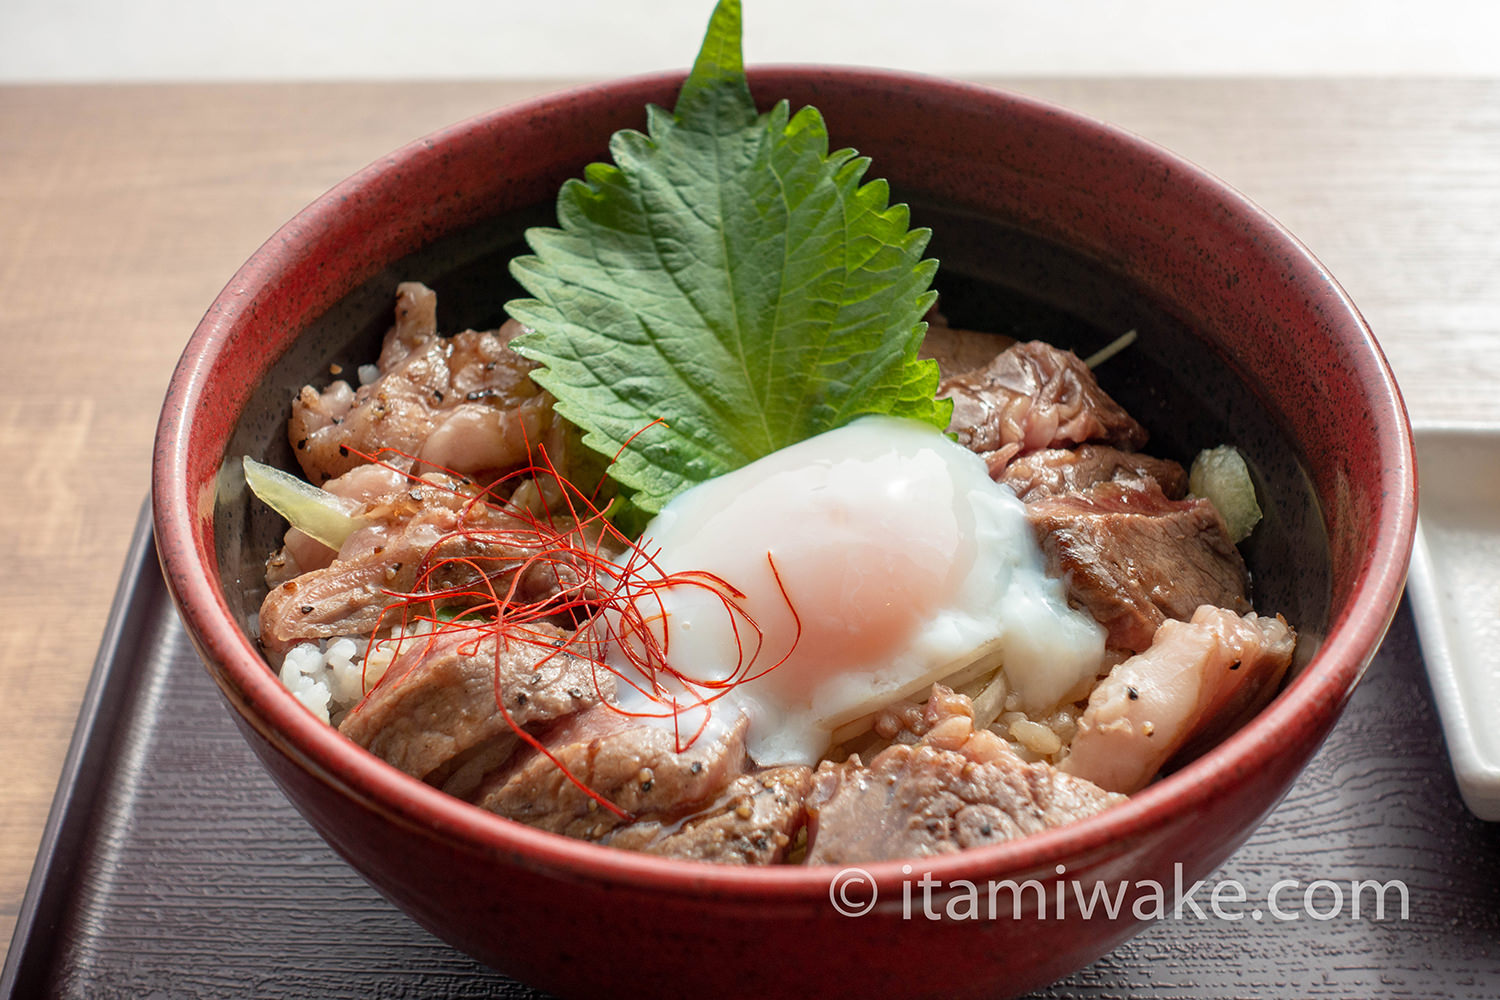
{"points": [[1047, 223]]}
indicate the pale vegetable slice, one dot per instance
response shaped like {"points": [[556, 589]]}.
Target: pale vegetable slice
{"points": [[972, 666], [1110, 349], [1220, 476], [990, 701], [317, 513]]}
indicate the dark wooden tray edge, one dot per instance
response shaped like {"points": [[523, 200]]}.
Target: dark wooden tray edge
{"points": [[29, 960]]}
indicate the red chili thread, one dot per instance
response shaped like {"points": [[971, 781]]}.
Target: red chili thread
{"points": [[607, 601]]}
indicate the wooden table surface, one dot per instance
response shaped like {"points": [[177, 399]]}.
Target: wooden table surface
{"points": [[124, 210]]}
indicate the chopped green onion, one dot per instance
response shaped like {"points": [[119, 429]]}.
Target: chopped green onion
{"points": [[1221, 477], [317, 513]]}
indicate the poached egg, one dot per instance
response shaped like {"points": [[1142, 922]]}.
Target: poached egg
{"points": [[850, 570]]}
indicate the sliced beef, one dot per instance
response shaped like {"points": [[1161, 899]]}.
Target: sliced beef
{"points": [[917, 801], [1133, 558], [635, 765], [752, 823], [435, 714], [465, 403], [1055, 471], [1199, 681], [955, 788], [1033, 396], [428, 537]]}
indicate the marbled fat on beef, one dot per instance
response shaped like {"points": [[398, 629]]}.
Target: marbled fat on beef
{"points": [[1199, 681]]}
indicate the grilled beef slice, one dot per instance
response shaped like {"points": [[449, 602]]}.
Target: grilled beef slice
{"points": [[1199, 681], [700, 803], [635, 765], [957, 787], [752, 823], [427, 537], [434, 714], [1034, 396], [465, 403], [1056, 471], [1133, 558]]}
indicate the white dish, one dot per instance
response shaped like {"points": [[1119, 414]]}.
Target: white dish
{"points": [[1454, 588]]}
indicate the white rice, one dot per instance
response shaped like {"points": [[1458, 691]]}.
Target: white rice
{"points": [[329, 677]]}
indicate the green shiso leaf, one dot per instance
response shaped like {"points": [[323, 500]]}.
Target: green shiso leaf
{"points": [[725, 288]]}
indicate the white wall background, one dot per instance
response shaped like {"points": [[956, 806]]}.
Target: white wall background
{"points": [[91, 40]]}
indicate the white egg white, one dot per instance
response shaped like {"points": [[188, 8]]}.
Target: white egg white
{"points": [[873, 560]]}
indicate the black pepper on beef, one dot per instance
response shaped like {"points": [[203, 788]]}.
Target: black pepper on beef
{"points": [[424, 537], [465, 403], [435, 713], [635, 765], [753, 822], [703, 802], [955, 788], [1199, 681]]}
